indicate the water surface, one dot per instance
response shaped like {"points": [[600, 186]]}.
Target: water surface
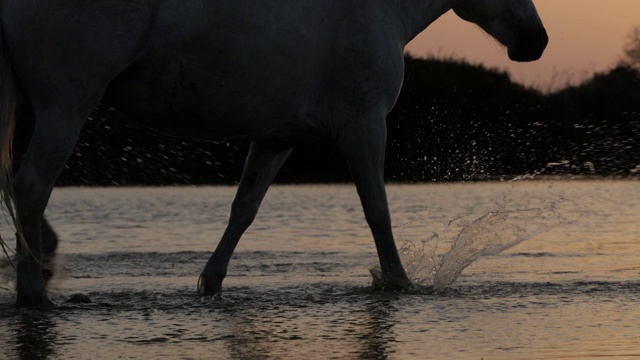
{"points": [[298, 283]]}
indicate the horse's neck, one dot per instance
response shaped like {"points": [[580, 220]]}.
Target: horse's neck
{"points": [[415, 15]]}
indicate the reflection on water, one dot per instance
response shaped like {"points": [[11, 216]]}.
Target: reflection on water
{"points": [[35, 335], [297, 286]]}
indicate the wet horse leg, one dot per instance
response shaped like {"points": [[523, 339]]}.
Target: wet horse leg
{"points": [[23, 133], [365, 154], [263, 163], [52, 142]]}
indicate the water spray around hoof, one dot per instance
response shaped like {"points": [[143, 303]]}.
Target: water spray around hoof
{"points": [[489, 234]]}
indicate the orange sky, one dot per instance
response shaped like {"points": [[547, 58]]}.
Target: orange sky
{"points": [[585, 36]]}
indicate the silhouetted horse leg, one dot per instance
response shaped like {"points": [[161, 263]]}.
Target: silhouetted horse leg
{"points": [[22, 137], [263, 163], [53, 140], [48, 245], [364, 151]]}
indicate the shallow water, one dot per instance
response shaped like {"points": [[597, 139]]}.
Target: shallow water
{"points": [[298, 283]]}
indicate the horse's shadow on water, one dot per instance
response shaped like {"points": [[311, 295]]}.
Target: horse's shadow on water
{"points": [[27, 333], [357, 321], [34, 333], [254, 323], [36, 336]]}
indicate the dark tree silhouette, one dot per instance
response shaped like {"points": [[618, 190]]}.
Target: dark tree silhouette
{"points": [[631, 54]]}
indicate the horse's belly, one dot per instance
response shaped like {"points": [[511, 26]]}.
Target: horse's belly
{"points": [[202, 110]]}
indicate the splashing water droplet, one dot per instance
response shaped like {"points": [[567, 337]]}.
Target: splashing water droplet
{"points": [[490, 234]]}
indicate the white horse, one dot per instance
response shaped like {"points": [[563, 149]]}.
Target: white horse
{"points": [[273, 72]]}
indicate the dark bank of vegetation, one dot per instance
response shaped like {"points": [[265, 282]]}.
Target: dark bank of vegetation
{"points": [[474, 123], [453, 121]]}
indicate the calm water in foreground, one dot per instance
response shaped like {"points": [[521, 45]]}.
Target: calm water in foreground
{"points": [[298, 283]]}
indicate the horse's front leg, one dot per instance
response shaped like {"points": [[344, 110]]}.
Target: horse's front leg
{"points": [[263, 163], [364, 145]]}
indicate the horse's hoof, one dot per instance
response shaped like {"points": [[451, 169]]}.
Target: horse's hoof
{"points": [[34, 301], [32, 296], [386, 283], [208, 286], [31, 285]]}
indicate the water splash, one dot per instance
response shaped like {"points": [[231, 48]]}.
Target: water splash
{"points": [[490, 234]]}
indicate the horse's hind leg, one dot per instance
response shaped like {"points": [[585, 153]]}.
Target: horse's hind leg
{"points": [[22, 137], [262, 165], [54, 136]]}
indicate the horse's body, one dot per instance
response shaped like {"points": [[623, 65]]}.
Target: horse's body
{"points": [[273, 72]]}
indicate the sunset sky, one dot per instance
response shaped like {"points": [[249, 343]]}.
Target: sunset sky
{"points": [[585, 36]]}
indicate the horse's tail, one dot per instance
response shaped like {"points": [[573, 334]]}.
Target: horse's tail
{"points": [[8, 101]]}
